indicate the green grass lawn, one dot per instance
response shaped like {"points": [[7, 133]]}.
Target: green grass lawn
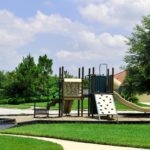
{"points": [[19, 106], [119, 106], [19, 143], [26, 105], [123, 135], [41, 104]]}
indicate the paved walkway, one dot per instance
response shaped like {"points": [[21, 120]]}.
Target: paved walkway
{"points": [[23, 115], [70, 145], [14, 111], [30, 111]]}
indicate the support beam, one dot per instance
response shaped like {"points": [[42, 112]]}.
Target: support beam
{"points": [[107, 82], [79, 75], [112, 81], [89, 92], [92, 96], [82, 98], [62, 81], [60, 96]]}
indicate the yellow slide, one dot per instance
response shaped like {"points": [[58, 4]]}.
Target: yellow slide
{"points": [[133, 106], [129, 104]]}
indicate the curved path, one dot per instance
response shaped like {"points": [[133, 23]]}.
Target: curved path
{"points": [[71, 145]]}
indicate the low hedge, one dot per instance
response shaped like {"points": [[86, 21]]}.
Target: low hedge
{"points": [[21, 100]]}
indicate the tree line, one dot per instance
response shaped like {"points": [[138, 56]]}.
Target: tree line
{"points": [[29, 81], [138, 60]]}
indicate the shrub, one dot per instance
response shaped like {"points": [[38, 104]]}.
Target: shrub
{"points": [[133, 99], [40, 98], [16, 101], [4, 101]]}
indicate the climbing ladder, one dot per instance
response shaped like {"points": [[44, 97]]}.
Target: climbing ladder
{"points": [[105, 104]]}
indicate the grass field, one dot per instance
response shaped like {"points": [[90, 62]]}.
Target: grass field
{"points": [[123, 135], [24, 105], [17, 143], [40, 104], [119, 106]]}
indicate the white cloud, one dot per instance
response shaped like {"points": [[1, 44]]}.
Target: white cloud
{"points": [[16, 32], [49, 24], [122, 13], [13, 30], [103, 46], [63, 54], [85, 46]]}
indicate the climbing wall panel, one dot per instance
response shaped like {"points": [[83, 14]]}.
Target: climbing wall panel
{"points": [[105, 104]]}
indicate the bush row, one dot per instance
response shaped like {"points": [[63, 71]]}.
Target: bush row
{"points": [[21, 100]]}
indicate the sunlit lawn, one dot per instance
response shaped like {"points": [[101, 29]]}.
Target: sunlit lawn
{"points": [[131, 135], [19, 143], [119, 106]]}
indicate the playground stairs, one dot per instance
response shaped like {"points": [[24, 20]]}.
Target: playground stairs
{"points": [[54, 102], [45, 111]]}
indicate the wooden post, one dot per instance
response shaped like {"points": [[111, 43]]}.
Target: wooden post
{"points": [[60, 96], [89, 92], [79, 72], [112, 80], [62, 80], [107, 82], [82, 92], [93, 91]]}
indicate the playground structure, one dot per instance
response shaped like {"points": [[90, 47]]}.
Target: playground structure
{"points": [[100, 94], [70, 89]]}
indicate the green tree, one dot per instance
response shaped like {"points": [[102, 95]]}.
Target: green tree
{"points": [[67, 74], [10, 84], [138, 58], [53, 89], [29, 80], [26, 76], [2, 83], [2, 79], [44, 72]]}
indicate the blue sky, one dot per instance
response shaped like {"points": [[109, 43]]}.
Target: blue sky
{"points": [[73, 33]]}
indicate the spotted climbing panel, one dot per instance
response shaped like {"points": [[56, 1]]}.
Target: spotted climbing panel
{"points": [[105, 104]]}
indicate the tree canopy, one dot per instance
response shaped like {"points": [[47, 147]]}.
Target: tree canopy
{"points": [[138, 58], [29, 80]]}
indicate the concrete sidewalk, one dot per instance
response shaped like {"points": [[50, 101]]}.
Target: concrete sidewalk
{"points": [[70, 145], [25, 115], [14, 111], [30, 111]]}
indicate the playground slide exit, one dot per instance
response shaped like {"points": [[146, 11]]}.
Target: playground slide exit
{"points": [[125, 102]]}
